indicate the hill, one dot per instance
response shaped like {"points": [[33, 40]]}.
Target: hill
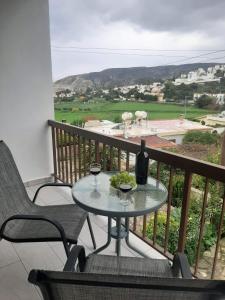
{"points": [[125, 76]]}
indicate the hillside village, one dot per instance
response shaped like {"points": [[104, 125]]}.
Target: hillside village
{"points": [[198, 82]]}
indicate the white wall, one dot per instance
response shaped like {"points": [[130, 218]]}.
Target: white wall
{"points": [[178, 138], [26, 101]]}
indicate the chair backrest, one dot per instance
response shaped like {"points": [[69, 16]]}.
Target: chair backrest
{"points": [[71, 285], [13, 196]]}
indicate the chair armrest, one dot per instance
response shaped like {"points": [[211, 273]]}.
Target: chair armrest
{"points": [[55, 223], [50, 184], [76, 253], [181, 266]]}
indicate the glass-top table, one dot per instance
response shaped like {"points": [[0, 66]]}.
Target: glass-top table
{"points": [[107, 201]]}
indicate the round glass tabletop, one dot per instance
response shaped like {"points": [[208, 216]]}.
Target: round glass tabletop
{"points": [[108, 201]]}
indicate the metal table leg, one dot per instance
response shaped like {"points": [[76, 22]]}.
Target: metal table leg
{"points": [[108, 238], [118, 239], [127, 239]]}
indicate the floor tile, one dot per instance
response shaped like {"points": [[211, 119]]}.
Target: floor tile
{"points": [[7, 254], [38, 256], [14, 284]]}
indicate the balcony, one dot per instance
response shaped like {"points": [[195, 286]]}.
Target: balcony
{"points": [[200, 185], [24, 110], [74, 149]]}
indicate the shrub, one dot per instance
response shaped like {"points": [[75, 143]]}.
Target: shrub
{"points": [[199, 137], [204, 101], [178, 185], [117, 119], [209, 235]]}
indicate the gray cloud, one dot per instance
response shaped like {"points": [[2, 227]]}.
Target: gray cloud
{"points": [[159, 24], [82, 17], [175, 15]]}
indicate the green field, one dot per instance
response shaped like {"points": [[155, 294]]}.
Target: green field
{"points": [[103, 110]]}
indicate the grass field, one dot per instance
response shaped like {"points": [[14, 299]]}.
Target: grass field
{"points": [[103, 110]]}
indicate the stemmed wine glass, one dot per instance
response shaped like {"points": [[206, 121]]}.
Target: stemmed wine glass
{"points": [[125, 188], [95, 169]]}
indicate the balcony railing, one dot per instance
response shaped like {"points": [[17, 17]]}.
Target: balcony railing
{"points": [[75, 148]]}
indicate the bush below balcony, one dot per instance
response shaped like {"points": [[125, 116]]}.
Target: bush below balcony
{"points": [[192, 237]]}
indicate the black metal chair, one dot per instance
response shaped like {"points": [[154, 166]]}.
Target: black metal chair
{"points": [[21, 220], [132, 278], [122, 265]]}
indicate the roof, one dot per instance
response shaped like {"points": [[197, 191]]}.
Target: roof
{"points": [[152, 141], [160, 128]]}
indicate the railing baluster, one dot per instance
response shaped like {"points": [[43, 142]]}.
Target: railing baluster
{"points": [[75, 157], [119, 159], [202, 223], [184, 211], [84, 156], [134, 224], [127, 161], [97, 159], [218, 237], [79, 157], [89, 151], [58, 153], [111, 157], [104, 157], [169, 201], [144, 226], [62, 154], [70, 159], [66, 156], [54, 153], [156, 213]]}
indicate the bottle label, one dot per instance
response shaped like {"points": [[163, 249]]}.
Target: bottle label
{"points": [[146, 154]]}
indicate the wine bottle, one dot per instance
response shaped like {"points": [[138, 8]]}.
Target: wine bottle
{"points": [[141, 167]]}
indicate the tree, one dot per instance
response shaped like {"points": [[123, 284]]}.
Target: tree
{"points": [[219, 73], [150, 98], [204, 101]]}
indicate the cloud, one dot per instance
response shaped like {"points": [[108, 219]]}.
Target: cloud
{"points": [[79, 17], [161, 24]]}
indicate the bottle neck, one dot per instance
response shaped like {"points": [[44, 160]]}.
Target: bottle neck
{"points": [[142, 145]]}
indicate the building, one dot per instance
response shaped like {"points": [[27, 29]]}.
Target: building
{"points": [[200, 75], [213, 120], [171, 130]]}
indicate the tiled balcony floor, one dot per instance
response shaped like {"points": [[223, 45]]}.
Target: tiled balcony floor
{"points": [[16, 260]]}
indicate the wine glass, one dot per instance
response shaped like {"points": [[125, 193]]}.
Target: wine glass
{"points": [[125, 188], [95, 169]]}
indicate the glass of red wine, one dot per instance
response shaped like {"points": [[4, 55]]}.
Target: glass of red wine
{"points": [[125, 188], [95, 169]]}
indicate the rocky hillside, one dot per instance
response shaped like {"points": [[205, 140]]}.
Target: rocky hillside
{"points": [[125, 76]]}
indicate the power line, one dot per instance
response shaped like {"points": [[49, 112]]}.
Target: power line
{"points": [[135, 49], [119, 53], [201, 55]]}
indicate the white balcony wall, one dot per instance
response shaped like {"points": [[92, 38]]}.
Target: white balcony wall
{"points": [[26, 101]]}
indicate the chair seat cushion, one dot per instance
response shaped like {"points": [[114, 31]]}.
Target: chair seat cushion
{"points": [[105, 264], [71, 217]]}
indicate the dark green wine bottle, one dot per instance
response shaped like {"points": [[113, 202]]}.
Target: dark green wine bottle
{"points": [[141, 167]]}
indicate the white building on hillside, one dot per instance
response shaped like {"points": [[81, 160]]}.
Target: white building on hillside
{"points": [[200, 75]]}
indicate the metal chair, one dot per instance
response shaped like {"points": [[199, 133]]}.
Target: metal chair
{"points": [[122, 265], [132, 279], [21, 220]]}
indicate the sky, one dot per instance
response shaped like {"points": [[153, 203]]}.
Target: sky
{"points": [[93, 35]]}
